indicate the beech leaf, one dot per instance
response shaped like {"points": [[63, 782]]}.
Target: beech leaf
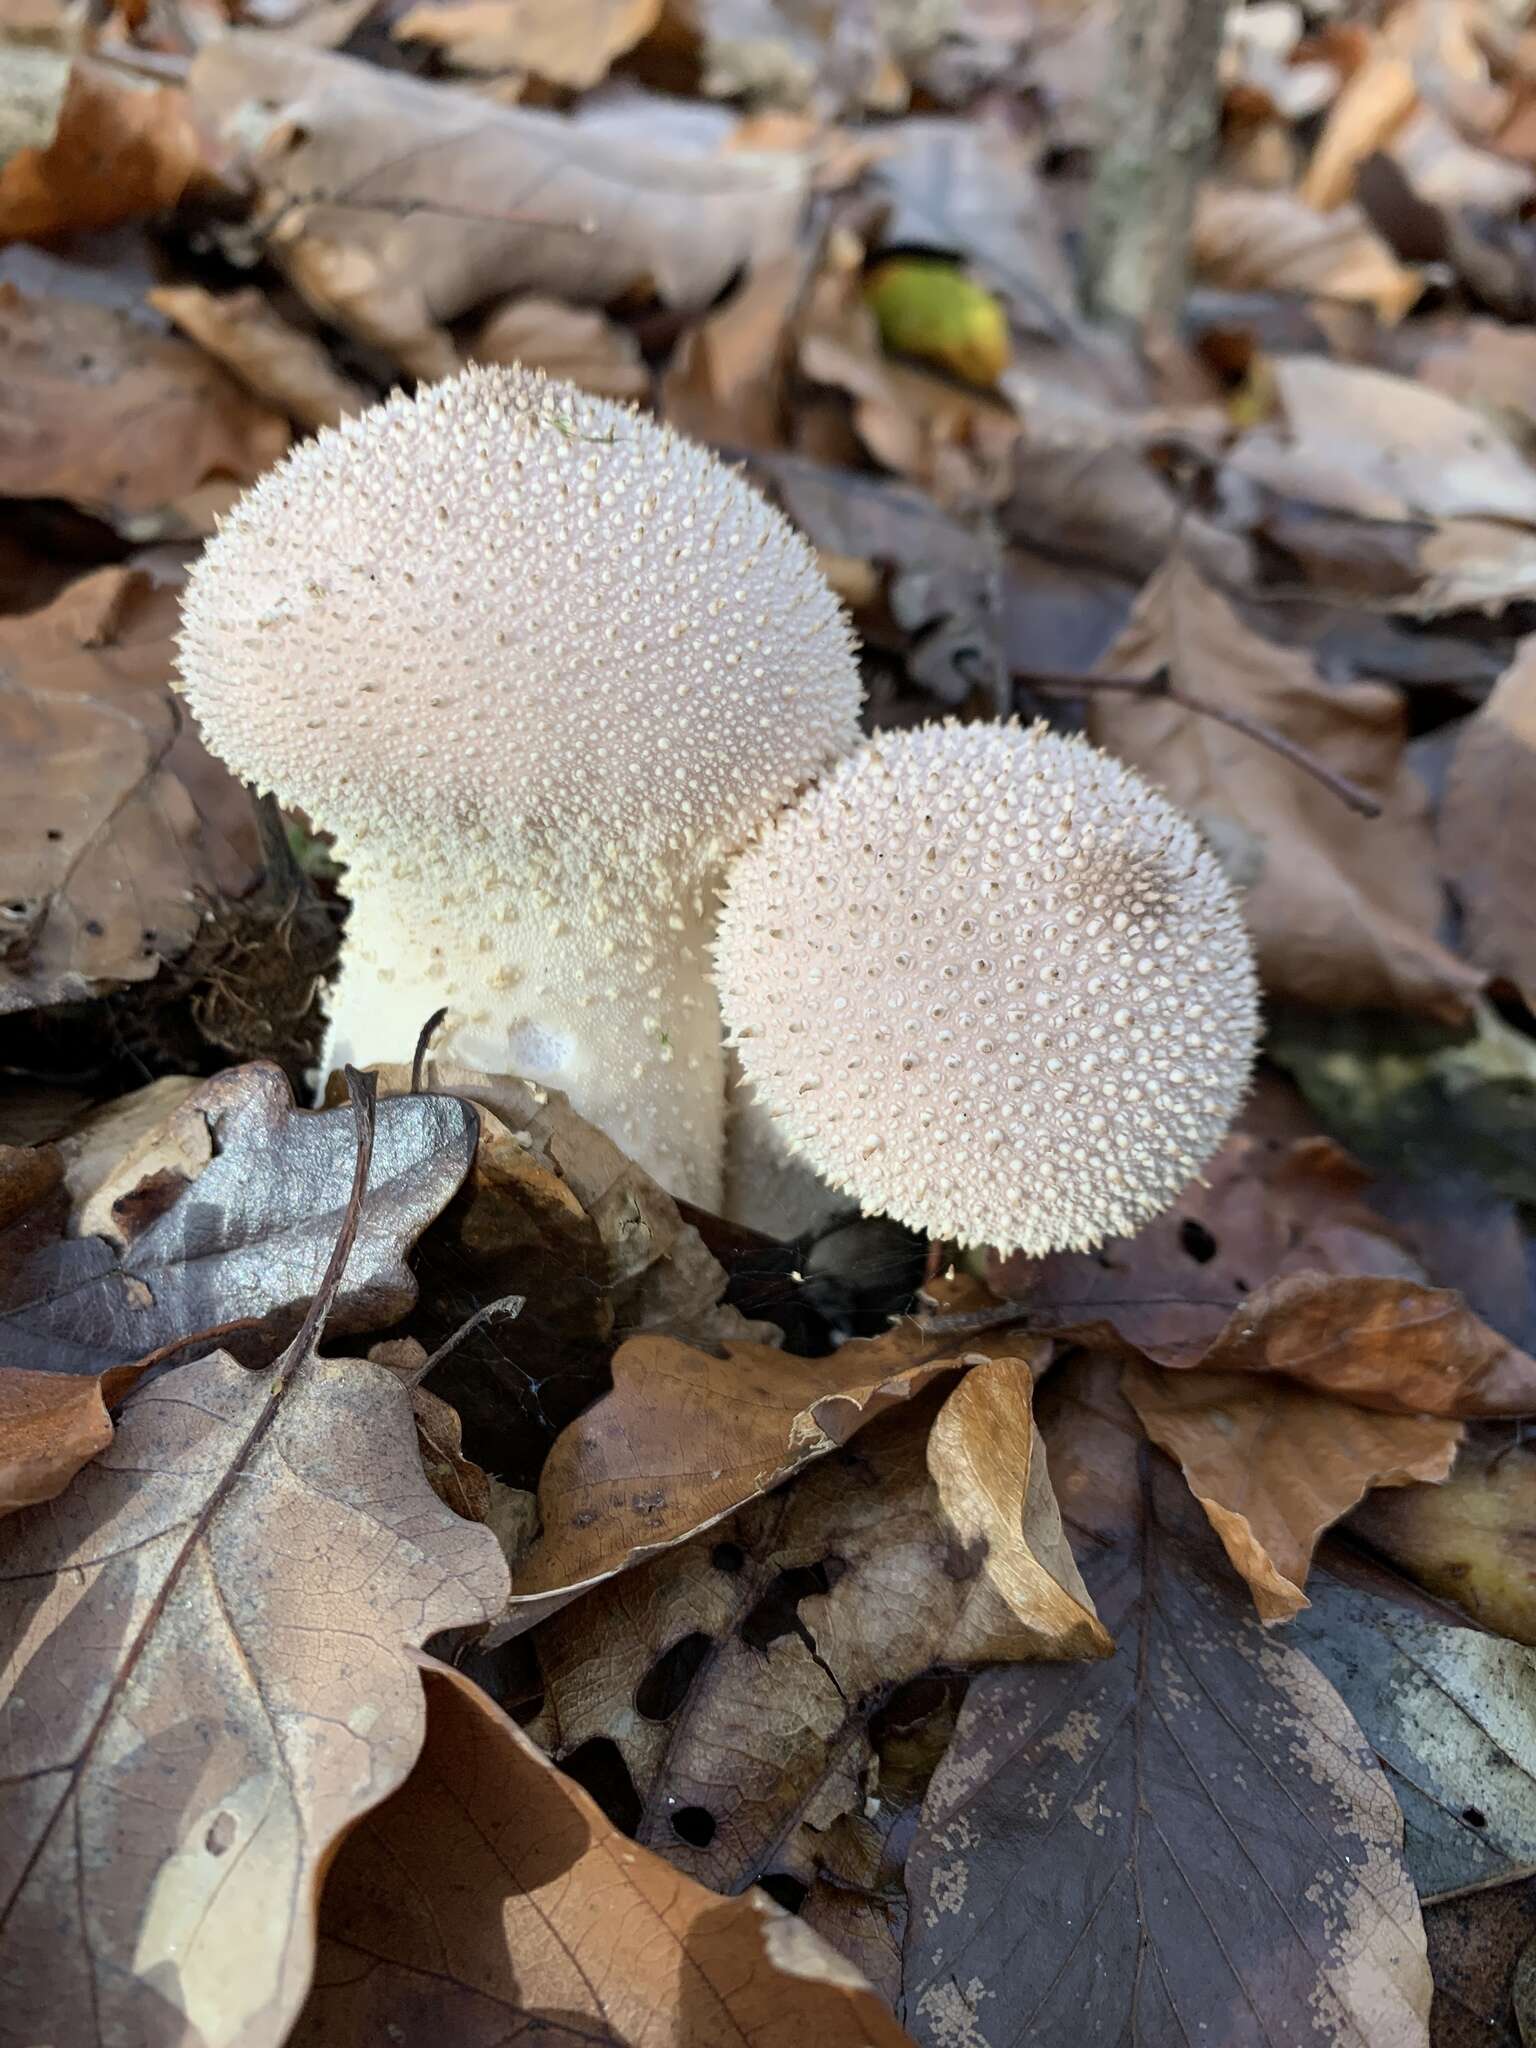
{"points": [[489, 1900], [1191, 1842], [50, 1426]]}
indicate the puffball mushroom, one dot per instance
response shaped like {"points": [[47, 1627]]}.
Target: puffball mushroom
{"points": [[540, 665], [992, 984]]}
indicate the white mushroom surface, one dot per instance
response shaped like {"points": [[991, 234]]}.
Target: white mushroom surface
{"points": [[992, 984], [540, 665]]}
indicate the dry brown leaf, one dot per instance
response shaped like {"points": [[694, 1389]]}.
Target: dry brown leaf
{"points": [[569, 42], [280, 364], [1344, 909], [738, 1673], [725, 383], [1489, 366], [1373, 105], [988, 1463], [489, 1900], [209, 1679], [135, 426], [117, 827], [1384, 447], [1272, 1263], [585, 347], [1246, 240], [125, 147], [1275, 1464], [50, 1425], [685, 1439], [1471, 1540], [395, 205], [1487, 827]]}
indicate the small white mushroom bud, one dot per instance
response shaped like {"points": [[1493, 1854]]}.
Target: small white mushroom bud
{"points": [[540, 666], [992, 984]]}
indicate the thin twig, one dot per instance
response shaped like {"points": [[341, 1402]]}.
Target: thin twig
{"points": [[1161, 684]]}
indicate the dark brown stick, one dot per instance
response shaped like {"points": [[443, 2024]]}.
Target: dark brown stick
{"points": [[1161, 684]]}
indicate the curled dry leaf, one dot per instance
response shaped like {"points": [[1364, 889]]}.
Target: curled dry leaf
{"points": [[395, 205], [280, 364], [568, 44], [124, 148], [1471, 1540], [1487, 827], [686, 1438], [489, 1900], [1343, 909], [135, 426], [234, 1216], [1248, 240], [49, 1427], [209, 1680], [726, 380], [1447, 1712], [118, 830], [1192, 1841], [738, 1673], [1274, 1464], [1275, 1264], [574, 342]]}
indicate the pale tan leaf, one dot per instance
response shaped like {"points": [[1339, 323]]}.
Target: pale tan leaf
{"points": [[569, 42], [208, 1679], [1487, 826], [282, 365], [1246, 240]]}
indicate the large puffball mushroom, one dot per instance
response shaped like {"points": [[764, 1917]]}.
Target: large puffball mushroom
{"points": [[540, 665], [991, 984]]}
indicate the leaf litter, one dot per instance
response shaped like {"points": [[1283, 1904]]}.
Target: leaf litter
{"points": [[665, 1631]]}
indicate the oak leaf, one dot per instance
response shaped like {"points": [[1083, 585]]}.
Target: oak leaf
{"points": [[1274, 1464], [209, 1679]]}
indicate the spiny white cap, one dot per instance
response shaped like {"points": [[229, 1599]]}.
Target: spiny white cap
{"points": [[506, 611], [992, 984]]}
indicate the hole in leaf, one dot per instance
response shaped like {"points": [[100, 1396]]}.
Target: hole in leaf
{"points": [[777, 1613], [665, 1686], [599, 1768], [1197, 1241], [727, 1557], [784, 1890], [1474, 1816], [694, 1825]]}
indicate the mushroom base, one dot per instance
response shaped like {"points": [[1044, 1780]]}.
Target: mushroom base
{"points": [[619, 1014]]}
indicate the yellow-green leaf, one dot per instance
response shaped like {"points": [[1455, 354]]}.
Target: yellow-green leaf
{"points": [[933, 310]]}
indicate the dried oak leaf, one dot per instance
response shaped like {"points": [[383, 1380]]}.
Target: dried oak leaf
{"points": [[234, 1217], [567, 42], [1275, 1264], [738, 1673], [49, 1427], [208, 1638], [1245, 239], [1446, 1710], [1343, 909], [488, 1900], [282, 365], [581, 345], [1274, 1464], [1472, 1540], [1487, 827], [686, 1438], [394, 205], [118, 830], [138, 427], [125, 147], [1190, 1842]]}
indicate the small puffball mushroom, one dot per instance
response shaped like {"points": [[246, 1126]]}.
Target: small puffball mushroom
{"points": [[540, 666], [992, 984]]}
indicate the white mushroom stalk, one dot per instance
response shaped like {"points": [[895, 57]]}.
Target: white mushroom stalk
{"points": [[991, 984], [540, 666]]}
